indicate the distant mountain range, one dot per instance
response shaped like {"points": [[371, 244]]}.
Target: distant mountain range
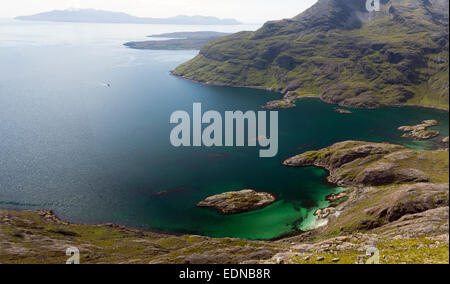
{"points": [[98, 16]]}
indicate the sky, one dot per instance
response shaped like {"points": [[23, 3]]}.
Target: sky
{"points": [[248, 11]]}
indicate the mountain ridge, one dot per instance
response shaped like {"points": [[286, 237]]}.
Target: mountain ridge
{"points": [[339, 53], [100, 16]]}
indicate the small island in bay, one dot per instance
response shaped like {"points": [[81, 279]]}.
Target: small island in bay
{"points": [[342, 111], [420, 131], [238, 201], [177, 41]]}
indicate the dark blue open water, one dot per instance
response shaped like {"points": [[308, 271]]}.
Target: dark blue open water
{"points": [[98, 154]]}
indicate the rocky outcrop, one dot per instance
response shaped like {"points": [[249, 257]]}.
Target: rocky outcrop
{"points": [[420, 131], [386, 183], [238, 201], [427, 223], [336, 197], [288, 101], [355, 163], [342, 111], [324, 213], [405, 200]]}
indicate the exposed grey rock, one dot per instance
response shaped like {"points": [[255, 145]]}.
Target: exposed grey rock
{"points": [[342, 111], [354, 163], [420, 131]]}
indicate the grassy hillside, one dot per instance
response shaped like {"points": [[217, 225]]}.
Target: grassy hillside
{"points": [[339, 52]]}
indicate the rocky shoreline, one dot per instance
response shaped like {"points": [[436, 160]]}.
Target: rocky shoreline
{"points": [[336, 197], [364, 167], [338, 158], [288, 99], [223, 85]]}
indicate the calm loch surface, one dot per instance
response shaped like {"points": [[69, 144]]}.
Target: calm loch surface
{"points": [[94, 153]]}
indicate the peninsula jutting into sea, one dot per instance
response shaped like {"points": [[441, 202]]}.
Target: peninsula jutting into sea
{"points": [[90, 173]]}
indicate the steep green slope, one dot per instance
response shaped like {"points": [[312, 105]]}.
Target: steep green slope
{"points": [[338, 51]]}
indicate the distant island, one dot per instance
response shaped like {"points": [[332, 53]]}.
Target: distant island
{"points": [[177, 41], [99, 16]]}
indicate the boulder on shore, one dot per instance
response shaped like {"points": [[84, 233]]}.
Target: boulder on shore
{"points": [[324, 213], [336, 196], [238, 201]]}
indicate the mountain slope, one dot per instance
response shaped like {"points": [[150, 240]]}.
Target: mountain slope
{"points": [[99, 16], [338, 51]]}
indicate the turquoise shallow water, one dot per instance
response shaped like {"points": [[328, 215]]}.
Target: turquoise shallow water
{"points": [[97, 154]]}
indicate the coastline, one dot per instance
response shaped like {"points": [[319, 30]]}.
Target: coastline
{"points": [[53, 217], [344, 228], [447, 110], [294, 232], [314, 223], [224, 85], [420, 106]]}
